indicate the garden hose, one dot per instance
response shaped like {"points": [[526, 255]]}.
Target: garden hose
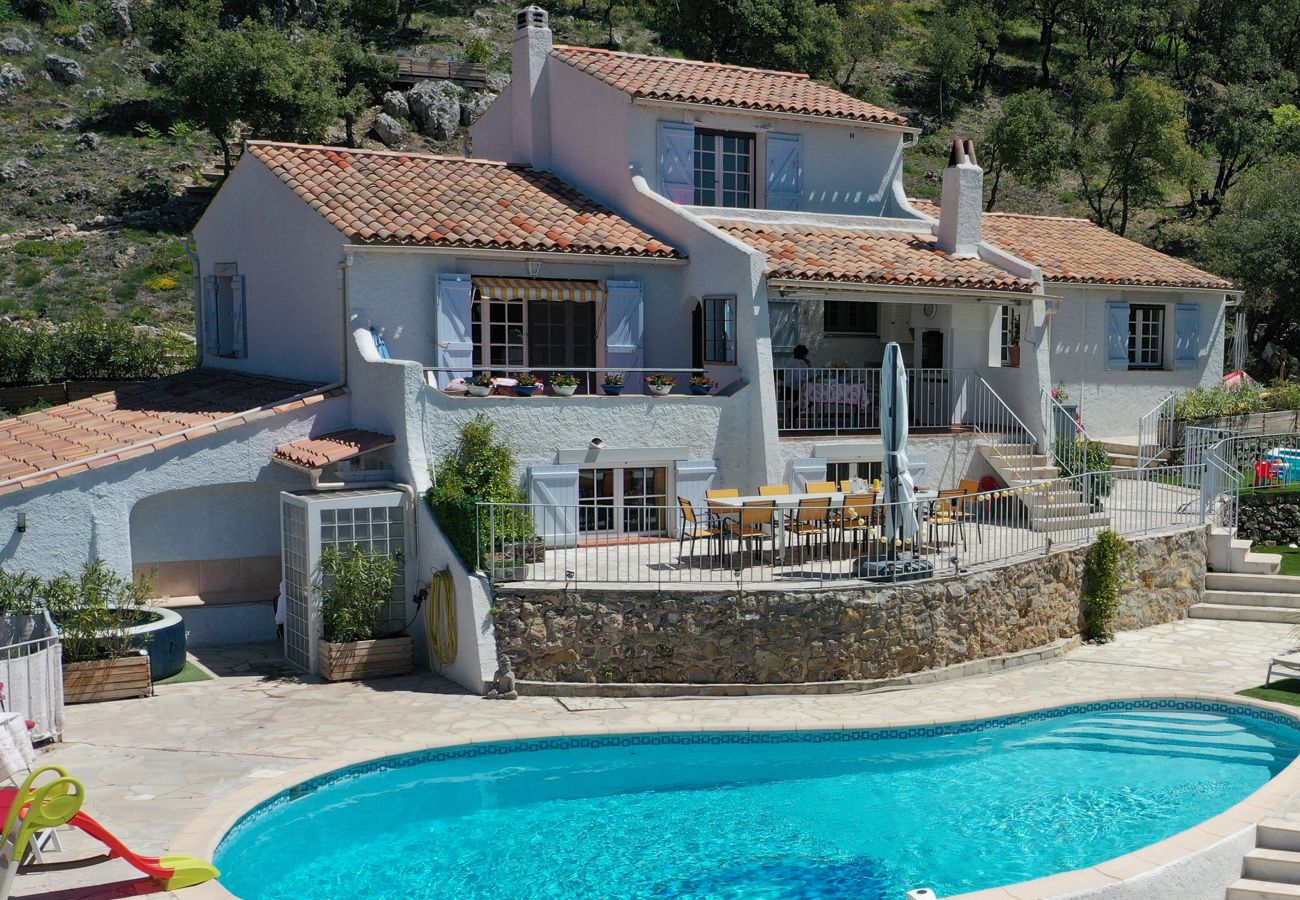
{"points": [[440, 618]]}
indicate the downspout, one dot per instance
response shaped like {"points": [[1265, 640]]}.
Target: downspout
{"points": [[343, 312]]}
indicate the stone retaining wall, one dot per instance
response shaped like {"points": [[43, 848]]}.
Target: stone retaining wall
{"points": [[1267, 518], [778, 637]]}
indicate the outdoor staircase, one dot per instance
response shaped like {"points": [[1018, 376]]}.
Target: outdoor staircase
{"points": [[1271, 871], [1123, 454], [1242, 597], [1059, 510]]}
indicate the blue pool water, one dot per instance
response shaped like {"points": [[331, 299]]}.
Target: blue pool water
{"points": [[856, 814]]}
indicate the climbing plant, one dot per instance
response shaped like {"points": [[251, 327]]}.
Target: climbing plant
{"points": [[1103, 580]]}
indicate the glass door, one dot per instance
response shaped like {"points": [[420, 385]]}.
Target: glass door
{"points": [[562, 334], [622, 501]]}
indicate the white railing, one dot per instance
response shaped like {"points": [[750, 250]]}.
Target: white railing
{"points": [[1158, 430], [847, 401], [996, 423], [658, 544], [1067, 440], [589, 380], [1233, 465], [31, 672]]}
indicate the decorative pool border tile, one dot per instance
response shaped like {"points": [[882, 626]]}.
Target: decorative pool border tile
{"points": [[531, 745]]}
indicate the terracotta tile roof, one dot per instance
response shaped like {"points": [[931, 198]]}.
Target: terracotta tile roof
{"points": [[85, 434], [331, 448], [714, 84], [1079, 251], [867, 257], [382, 197]]}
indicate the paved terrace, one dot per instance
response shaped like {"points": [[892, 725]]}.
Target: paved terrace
{"points": [[152, 765]]}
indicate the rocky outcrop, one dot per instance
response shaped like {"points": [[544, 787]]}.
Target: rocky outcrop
{"points": [[11, 78], [395, 105], [121, 10], [473, 105], [12, 46], [388, 130], [88, 141], [435, 107], [14, 169], [64, 70]]}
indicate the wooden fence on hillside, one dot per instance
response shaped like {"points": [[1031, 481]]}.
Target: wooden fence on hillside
{"points": [[414, 69]]}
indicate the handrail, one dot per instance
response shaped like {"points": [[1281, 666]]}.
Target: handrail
{"points": [[1155, 430], [1053, 412], [594, 370], [1004, 416]]}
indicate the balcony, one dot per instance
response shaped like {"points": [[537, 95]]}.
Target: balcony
{"points": [[840, 401], [512, 383]]}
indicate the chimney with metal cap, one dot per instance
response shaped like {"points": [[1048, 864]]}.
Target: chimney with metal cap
{"points": [[961, 210], [529, 51]]}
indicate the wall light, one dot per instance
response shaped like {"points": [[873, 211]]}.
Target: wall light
{"points": [[534, 268], [22, 523]]}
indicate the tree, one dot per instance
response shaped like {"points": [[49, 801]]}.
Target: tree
{"points": [[1026, 141], [951, 52], [868, 28], [795, 35], [1126, 151], [364, 75], [1240, 130]]}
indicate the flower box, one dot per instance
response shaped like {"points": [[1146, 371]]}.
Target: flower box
{"points": [[107, 679], [367, 659]]}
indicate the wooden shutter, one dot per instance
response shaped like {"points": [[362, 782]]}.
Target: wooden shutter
{"points": [[694, 477], [553, 491], [239, 317], [804, 470], [211, 336], [455, 302], [625, 331], [784, 171], [1117, 335], [1187, 335], [677, 162]]}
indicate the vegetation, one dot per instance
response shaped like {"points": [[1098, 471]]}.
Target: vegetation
{"points": [[355, 587], [92, 608], [1103, 581], [1078, 457], [1217, 402], [1284, 690], [1290, 557], [89, 348]]}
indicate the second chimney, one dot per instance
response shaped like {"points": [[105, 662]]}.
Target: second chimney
{"points": [[961, 209], [529, 52]]}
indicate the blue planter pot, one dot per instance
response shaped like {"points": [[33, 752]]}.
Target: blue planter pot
{"points": [[612, 389], [700, 390], [525, 390]]}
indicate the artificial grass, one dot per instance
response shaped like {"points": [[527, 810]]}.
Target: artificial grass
{"points": [[1284, 690], [190, 673], [1290, 557]]}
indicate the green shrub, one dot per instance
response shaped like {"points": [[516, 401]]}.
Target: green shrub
{"points": [[88, 349], [477, 50], [1080, 457], [19, 593], [93, 610], [1103, 580], [355, 587]]}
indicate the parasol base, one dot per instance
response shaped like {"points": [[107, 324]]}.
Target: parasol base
{"points": [[901, 568]]}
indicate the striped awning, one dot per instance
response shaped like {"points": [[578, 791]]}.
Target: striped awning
{"points": [[540, 289]]}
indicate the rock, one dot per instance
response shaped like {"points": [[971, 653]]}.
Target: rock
{"points": [[80, 193], [435, 106], [121, 15], [81, 39], [38, 149], [64, 70], [388, 130], [181, 166], [148, 173], [14, 47], [395, 105], [14, 169], [155, 72], [11, 77], [89, 141], [62, 123], [497, 81], [124, 257], [474, 105], [96, 93]]}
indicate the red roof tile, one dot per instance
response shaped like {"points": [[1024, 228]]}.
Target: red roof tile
{"points": [[120, 424], [1079, 251], [714, 84], [331, 448], [867, 257], [382, 197]]}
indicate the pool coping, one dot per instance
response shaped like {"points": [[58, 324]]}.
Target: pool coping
{"points": [[202, 834]]}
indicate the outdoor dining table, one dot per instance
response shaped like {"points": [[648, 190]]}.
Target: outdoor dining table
{"points": [[787, 503]]}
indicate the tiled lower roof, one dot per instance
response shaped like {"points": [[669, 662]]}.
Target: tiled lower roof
{"points": [[1082, 252], [117, 425], [336, 446], [814, 253]]}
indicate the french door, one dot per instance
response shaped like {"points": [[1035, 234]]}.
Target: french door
{"points": [[562, 335], [622, 500]]}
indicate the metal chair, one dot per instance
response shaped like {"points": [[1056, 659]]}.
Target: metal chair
{"points": [[819, 487], [773, 490], [947, 511], [755, 523], [811, 521], [859, 517], [698, 529]]}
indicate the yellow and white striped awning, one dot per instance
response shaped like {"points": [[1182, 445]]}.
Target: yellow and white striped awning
{"points": [[540, 289]]}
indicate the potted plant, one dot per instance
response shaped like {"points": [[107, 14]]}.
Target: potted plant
{"points": [[480, 385], [528, 384], [1013, 342], [613, 384], [702, 384], [660, 383], [354, 589], [564, 384]]}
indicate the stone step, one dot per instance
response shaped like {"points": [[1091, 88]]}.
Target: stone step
{"points": [[1124, 461], [1121, 446], [1258, 563], [1252, 598], [1061, 510], [1098, 520], [1266, 864], [1252, 889], [1276, 833], [1229, 613], [1245, 581]]}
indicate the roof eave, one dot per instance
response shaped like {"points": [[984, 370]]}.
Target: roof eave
{"points": [[1140, 286], [1008, 295], [554, 256], [723, 109]]}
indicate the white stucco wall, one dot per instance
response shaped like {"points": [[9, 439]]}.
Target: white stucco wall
{"points": [[180, 524], [1112, 401]]}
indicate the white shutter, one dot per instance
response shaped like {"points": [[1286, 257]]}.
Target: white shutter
{"points": [[694, 477], [239, 314], [211, 337], [1117, 335], [625, 331], [784, 171], [455, 302], [1187, 335], [918, 465], [783, 323], [677, 162], [804, 470], [553, 491]]}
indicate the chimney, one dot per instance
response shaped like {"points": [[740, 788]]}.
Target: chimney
{"points": [[961, 209], [529, 52]]}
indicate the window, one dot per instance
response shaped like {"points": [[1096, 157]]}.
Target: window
{"points": [[724, 169], [640, 491], [719, 330], [850, 317], [224, 313], [1146, 337], [843, 471], [1010, 340]]}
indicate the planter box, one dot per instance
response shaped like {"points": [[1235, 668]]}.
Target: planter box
{"points": [[367, 659], [107, 679]]}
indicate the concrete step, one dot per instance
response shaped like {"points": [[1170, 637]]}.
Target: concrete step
{"points": [[1229, 613], [1258, 563], [1043, 525], [1128, 447], [1244, 581], [1025, 461], [1265, 864], [1060, 510], [1253, 889], [1252, 598], [1124, 461], [1275, 833]]}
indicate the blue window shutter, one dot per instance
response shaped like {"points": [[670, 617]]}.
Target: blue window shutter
{"points": [[239, 315], [1187, 335], [784, 171], [805, 469], [553, 491], [677, 162], [694, 477], [1117, 335], [455, 303], [211, 339], [625, 330]]}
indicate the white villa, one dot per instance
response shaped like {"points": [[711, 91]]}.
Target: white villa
{"points": [[623, 214]]}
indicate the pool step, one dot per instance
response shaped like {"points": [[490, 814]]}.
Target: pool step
{"points": [[1252, 889]]}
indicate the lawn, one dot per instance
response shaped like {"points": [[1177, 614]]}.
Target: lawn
{"points": [[1290, 557], [190, 673], [1284, 690]]}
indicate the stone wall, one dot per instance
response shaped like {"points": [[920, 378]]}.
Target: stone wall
{"points": [[770, 637], [1269, 518]]}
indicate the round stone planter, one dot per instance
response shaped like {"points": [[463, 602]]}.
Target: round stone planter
{"points": [[701, 390], [660, 390], [564, 390], [478, 390], [162, 634], [612, 389], [525, 390]]}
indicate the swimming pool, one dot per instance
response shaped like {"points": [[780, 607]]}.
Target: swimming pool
{"points": [[825, 814]]}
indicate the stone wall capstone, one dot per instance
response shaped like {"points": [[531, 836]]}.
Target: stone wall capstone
{"points": [[687, 636]]}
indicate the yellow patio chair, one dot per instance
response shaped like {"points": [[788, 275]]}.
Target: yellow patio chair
{"points": [[773, 490]]}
